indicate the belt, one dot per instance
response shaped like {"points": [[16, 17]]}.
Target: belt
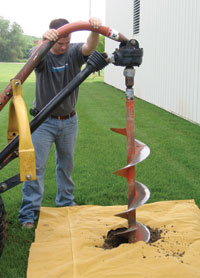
{"points": [[64, 117]]}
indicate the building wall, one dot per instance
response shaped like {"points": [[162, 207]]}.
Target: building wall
{"points": [[169, 76], [118, 16]]}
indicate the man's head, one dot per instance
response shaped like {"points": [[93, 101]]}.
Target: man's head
{"points": [[62, 44], [57, 23]]}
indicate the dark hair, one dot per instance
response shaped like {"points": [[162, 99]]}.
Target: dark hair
{"points": [[57, 23]]}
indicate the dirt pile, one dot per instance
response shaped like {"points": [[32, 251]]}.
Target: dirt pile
{"points": [[159, 239], [112, 240]]}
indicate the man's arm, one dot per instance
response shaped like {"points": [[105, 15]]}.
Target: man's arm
{"points": [[93, 38]]}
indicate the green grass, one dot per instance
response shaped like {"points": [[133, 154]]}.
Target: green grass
{"points": [[171, 172]]}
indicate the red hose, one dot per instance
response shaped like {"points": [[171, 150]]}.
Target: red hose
{"points": [[35, 59], [81, 25]]}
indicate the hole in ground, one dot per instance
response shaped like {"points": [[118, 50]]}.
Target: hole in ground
{"points": [[112, 240]]}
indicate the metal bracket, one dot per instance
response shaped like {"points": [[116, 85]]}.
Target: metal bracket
{"points": [[18, 124]]}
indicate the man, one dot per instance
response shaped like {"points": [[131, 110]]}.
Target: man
{"points": [[61, 64]]}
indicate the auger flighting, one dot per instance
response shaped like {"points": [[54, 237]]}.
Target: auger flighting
{"points": [[130, 55]]}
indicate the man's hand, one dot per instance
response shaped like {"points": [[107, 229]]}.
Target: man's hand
{"points": [[51, 35], [95, 22], [93, 37]]}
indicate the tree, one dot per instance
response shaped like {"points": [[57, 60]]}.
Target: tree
{"points": [[4, 37], [101, 45], [16, 42], [12, 42]]}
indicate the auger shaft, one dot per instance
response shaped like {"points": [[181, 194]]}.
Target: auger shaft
{"points": [[129, 80], [130, 55]]}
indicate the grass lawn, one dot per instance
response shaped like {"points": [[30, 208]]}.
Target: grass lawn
{"points": [[171, 172]]}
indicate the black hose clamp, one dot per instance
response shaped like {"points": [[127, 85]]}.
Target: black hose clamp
{"points": [[33, 112]]}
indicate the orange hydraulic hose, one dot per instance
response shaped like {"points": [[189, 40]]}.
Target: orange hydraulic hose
{"points": [[81, 25], [46, 45]]}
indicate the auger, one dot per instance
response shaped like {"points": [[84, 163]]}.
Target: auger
{"points": [[130, 55]]}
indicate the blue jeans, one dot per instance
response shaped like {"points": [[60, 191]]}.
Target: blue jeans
{"points": [[63, 133]]}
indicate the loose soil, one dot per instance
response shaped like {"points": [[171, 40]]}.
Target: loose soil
{"points": [[112, 240]]}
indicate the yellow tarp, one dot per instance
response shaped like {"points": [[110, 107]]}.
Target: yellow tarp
{"points": [[68, 243]]}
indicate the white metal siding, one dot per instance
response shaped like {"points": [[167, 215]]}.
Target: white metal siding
{"points": [[169, 76]]}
